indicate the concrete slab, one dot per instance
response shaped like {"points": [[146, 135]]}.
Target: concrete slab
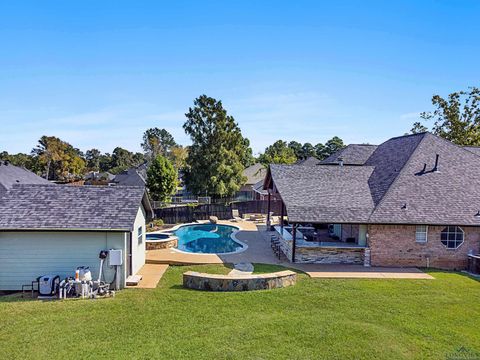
{"points": [[359, 272], [151, 275]]}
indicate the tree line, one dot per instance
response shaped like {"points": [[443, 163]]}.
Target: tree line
{"points": [[212, 165]]}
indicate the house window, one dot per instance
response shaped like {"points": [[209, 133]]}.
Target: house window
{"points": [[421, 233], [452, 237], [140, 235]]}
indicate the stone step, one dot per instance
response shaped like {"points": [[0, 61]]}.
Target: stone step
{"points": [[133, 280]]}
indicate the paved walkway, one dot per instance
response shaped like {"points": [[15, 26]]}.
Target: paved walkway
{"points": [[242, 269], [151, 275]]}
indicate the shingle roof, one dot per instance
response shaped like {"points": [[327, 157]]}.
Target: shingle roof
{"points": [[71, 207], [449, 196], [258, 187], [324, 193], [388, 159], [310, 161], [11, 175], [473, 149], [130, 177], [393, 180], [254, 173], [353, 154]]}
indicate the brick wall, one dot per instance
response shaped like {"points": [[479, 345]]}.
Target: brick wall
{"points": [[394, 245]]}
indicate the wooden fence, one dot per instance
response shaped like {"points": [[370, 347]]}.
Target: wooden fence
{"points": [[182, 214]]}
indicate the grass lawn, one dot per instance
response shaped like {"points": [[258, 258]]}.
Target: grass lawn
{"points": [[316, 319]]}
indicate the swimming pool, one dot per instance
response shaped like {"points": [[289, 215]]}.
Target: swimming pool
{"points": [[207, 239]]}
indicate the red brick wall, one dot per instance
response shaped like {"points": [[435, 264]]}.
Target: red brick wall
{"points": [[394, 245]]}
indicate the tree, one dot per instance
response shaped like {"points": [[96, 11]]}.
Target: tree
{"points": [[157, 142], [307, 151], [48, 151], [297, 148], [278, 153], [161, 179], [333, 145], [214, 162], [178, 156], [248, 159], [457, 118], [418, 128], [93, 159], [320, 151]]}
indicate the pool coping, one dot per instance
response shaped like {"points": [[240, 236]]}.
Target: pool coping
{"points": [[233, 236]]}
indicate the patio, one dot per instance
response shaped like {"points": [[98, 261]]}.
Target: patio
{"points": [[259, 251]]}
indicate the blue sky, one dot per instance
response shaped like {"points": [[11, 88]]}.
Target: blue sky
{"points": [[98, 73]]}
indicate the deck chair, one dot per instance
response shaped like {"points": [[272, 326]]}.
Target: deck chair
{"points": [[236, 215]]}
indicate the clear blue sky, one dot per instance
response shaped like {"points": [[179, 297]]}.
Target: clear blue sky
{"points": [[98, 73]]}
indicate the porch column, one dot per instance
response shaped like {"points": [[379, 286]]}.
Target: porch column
{"points": [[282, 214], [294, 241], [268, 211]]}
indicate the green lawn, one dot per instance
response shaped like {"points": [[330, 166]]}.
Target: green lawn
{"points": [[316, 319]]}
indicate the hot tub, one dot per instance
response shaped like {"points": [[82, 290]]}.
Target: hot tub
{"points": [[157, 241]]}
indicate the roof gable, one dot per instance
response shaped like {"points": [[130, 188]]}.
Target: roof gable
{"points": [[388, 159], [324, 193], [11, 175], [353, 154], [449, 196], [254, 173]]}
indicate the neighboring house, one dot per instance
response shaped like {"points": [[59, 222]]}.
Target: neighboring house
{"points": [[253, 174], [53, 229], [412, 201], [11, 175], [132, 177], [310, 161], [99, 178]]}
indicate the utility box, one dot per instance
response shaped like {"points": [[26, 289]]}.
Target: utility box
{"points": [[115, 257]]}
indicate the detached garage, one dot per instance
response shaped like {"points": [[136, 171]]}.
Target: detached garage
{"points": [[53, 229]]}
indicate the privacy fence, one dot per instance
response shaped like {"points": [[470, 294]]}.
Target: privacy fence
{"points": [[189, 213]]}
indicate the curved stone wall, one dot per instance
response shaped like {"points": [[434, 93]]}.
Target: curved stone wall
{"points": [[161, 244], [211, 282]]}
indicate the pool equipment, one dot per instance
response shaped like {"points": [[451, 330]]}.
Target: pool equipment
{"points": [[83, 286], [48, 286]]}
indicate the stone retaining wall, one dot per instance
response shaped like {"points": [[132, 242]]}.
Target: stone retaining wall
{"points": [[211, 282], [329, 255], [158, 245]]}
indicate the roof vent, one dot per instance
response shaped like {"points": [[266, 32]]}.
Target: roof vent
{"points": [[340, 161], [404, 206], [477, 215]]}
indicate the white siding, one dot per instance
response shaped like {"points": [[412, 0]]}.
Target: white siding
{"points": [[138, 249], [26, 255]]}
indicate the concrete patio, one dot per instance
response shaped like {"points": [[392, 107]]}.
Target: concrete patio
{"points": [[259, 251]]}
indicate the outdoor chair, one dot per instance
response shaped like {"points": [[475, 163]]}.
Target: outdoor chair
{"points": [[236, 215]]}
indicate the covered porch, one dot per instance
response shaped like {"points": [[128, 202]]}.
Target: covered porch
{"points": [[323, 243]]}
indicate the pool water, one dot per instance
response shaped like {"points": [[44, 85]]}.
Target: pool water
{"points": [[207, 239]]}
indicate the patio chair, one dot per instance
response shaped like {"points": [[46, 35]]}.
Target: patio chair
{"points": [[236, 215]]}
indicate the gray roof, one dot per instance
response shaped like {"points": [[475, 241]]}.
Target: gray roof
{"points": [[473, 149], [258, 187], [393, 187], [130, 177], [254, 173], [324, 193], [11, 175], [310, 161], [46, 207], [353, 154]]}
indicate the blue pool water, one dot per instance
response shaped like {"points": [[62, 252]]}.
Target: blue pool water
{"points": [[207, 239]]}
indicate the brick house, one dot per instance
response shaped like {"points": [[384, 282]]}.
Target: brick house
{"points": [[413, 200]]}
